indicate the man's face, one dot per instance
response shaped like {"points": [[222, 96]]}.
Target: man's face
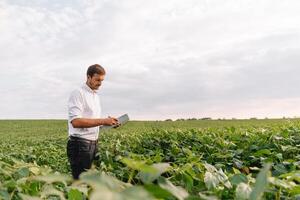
{"points": [[95, 81]]}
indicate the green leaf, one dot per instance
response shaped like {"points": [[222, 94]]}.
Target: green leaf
{"points": [[4, 195], [243, 191], [23, 172], [284, 148], [210, 168], [261, 183], [138, 165], [281, 183], [292, 176], [238, 178], [136, 192], [223, 178], [26, 197], [295, 191], [75, 194], [53, 178], [205, 197], [210, 180], [10, 185], [97, 180], [83, 188], [239, 164], [49, 190], [158, 192], [188, 181], [177, 191], [262, 152], [149, 176], [34, 187], [279, 169], [34, 170], [232, 129], [104, 193]]}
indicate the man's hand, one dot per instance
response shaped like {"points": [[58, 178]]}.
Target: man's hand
{"points": [[110, 121]]}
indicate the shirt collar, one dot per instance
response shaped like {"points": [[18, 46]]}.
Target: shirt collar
{"points": [[86, 87]]}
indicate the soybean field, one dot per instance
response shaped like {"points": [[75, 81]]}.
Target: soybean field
{"points": [[191, 159]]}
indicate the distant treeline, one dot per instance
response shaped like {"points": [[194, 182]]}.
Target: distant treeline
{"points": [[209, 118], [181, 119]]}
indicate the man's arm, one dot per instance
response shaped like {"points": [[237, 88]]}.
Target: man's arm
{"points": [[75, 110], [88, 123]]}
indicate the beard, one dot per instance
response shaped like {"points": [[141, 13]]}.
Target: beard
{"points": [[96, 87]]}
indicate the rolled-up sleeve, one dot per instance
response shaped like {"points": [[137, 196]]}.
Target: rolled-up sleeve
{"points": [[75, 106]]}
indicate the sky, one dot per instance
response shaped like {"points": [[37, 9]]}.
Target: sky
{"points": [[164, 59]]}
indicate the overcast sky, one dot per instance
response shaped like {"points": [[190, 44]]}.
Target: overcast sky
{"points": [[164, 59]]}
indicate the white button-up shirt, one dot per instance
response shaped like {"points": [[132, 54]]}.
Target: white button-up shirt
{"points": [[84, 103]]}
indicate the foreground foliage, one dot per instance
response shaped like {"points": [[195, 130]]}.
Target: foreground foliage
{"points": [[156, 160]]}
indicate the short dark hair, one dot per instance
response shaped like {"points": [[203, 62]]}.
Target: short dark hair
{"points": [[95, 69]]}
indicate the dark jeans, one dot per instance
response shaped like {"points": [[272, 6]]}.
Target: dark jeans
{"points": [[81, 153]]}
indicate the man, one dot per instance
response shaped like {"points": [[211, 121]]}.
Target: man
{"points": [[84, 121]]}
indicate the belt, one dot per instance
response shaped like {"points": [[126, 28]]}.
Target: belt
{"points": [[72, 138]]}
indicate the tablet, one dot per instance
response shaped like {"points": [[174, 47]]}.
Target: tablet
{"points": [[123, 119]]}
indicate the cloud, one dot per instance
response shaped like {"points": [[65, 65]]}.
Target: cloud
{"points": [[163, 59]]}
